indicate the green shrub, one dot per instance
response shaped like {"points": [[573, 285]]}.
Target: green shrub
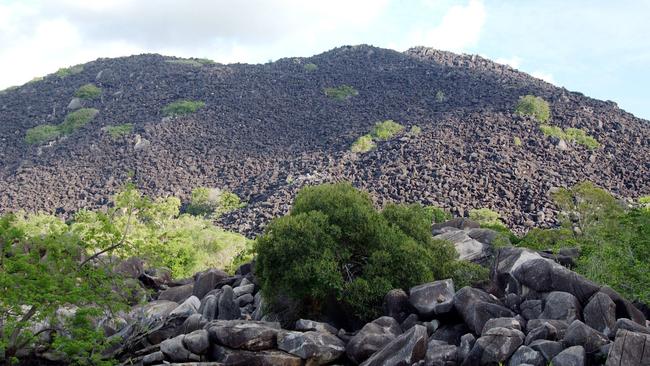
{"points": [[440, 96], [536, 107], [310, 67], [195, 62], [517, 141], [335, 246], [415, 130], [485, 216], [67, 71], [553, 131], [42, 133], [182, 107], [118, 131], [342, 92], [213, 202], [437, 214], [644, 202], [363, 144], [77, 119], [88, 91], [386, 129], [571, 134]]}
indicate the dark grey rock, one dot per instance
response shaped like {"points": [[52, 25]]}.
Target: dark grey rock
{"points": [[526, 355], [628, 324], [466, 344], [227, 356], [174, 350], [245, 299], [456, 223], [228, 308], [561, 306], [177, 294], [406, 349], [245, 289], [629, 349], [545, 331], [559, 325], [187, 308], [304, 325], [372, 337], [530, 309], [209, 307], [193, 322], [624, 308], [450, 333], [433, 298], [510, 323], [396, 304], [495, 346], [572, 356], [74, 104], [476, 307], [441, 354], [153, 358], [548, 349], [317, 347], [197, 342], [241, 334], [580, 334], [467, 248], [207, 281], [409, 322], [600, 313]]}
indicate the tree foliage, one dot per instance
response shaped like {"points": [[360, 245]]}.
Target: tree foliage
{"points": [[536, 107], [213, 202]]}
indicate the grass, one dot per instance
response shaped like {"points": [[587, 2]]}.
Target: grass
{"points": [[310, 67], [342, 92], [182, 107], [67, 71], [88, 92], [363, 144], [536, 107], [195, 62], [77, 119], [118, 131], [517, 141], [386, 130], [415, 130], [42, 133], [571, 134]]}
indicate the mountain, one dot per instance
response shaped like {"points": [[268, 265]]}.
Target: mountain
{"points": [[266, 130]]}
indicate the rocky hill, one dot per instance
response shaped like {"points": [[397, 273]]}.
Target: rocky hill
{"points": [[266, 130]]}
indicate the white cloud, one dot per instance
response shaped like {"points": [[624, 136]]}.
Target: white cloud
{"points": [[544, 76], [459, 29], [513, 62]]}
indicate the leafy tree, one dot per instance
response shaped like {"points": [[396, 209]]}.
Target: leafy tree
{"points": [[536, 107], [335, 245]]}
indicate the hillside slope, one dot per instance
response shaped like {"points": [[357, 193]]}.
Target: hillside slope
{"points": [[268, 129]]}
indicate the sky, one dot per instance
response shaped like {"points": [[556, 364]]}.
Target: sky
{"points": [[598, 47]]}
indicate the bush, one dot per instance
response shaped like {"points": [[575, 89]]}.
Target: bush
{"points": [[415, 130], [571, 134], [485, 216], [536, 107], [310, 67], [77, 119], [386, 129], [88, 91], [437, 214], [182, 107], [213, 202], [363, 144], [67, 71], [196, 62], [342, 92], [42, 133], [118, 131], [517, 141], [335, 246], [440, 96]]}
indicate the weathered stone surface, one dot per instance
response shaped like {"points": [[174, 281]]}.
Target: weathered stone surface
{"points": [[600, 313], [441, 354], [193, 322], [228, 309], [580, 334], [158, 309], [495, 346], [624, 308], [450, 333], [433, 298], [545, 331], [396, 304], [241, 334], [197, 342], [548, 349], [628, 324], [526, 355], [572, 356], [629, 349], [206, 281], [209, 307], [531, 309], [178, 293], [372, 337], [467, 248], [75, 103], [304, 325], [476, 307], [510, 323], [559, 325], [244, 300], [187, 308], [318, 347], [153, 358], [406, 349], [174, 350], [243, 289], [226, 356], [466, 344], [561, 306], [460, 223]]}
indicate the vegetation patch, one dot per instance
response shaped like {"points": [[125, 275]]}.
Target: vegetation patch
{"points": [[334, 246], [386, 130], [517, 141], [196, 62], [440, 96], [41, 134], [182, 107], [77, 119], [310, 67], [485, 216], [67, 71], [437, 214], [88, 92], [213, 202], [363, 144], [118, 131], [342, 92], [536, 107], [571, 134], [415, 130]]}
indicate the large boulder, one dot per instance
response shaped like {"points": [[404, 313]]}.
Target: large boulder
{"points": [[396, 304], [304, 325], [317, 347], [526, 355], [441, 354], [178, 293], [241, 334], [371, 338], [561, 306], [600, 313], [548, 349], [495, 346], [228, 308], [628, 324], [580, 334], [624, 308], [227, 356], [468, 249], [572, 356], [187, 308], [433, 298], [206, 281], [629, 349], [175, 350], [459, 223], [406, 349], [197, 341], [476, 307]]}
